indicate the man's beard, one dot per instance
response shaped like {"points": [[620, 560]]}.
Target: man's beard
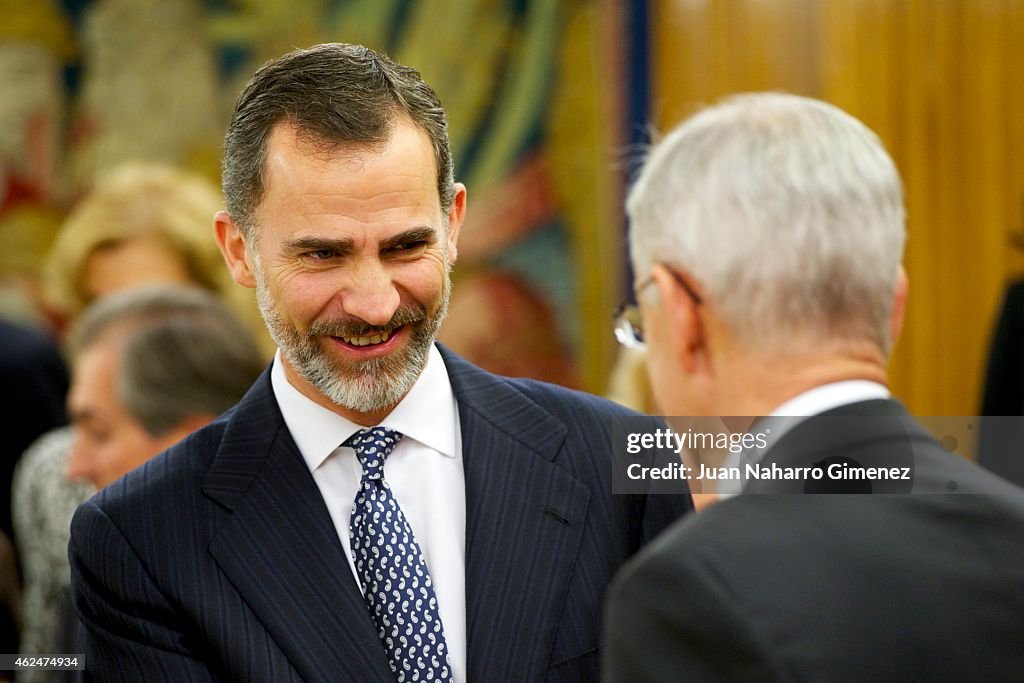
{"points": [[363, 386]]}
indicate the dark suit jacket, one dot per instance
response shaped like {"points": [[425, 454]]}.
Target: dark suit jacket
{"points": [[923, 587], [1004, 374], [35, 383], [1001, 444], [10, 597], [219, 560]]}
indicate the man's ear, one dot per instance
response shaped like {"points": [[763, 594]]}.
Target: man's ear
{"points": [[683, 318], [232, 246], [899, 306], [456, 215]]}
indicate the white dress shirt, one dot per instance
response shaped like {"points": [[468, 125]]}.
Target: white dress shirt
{"points": [[424, 472]]}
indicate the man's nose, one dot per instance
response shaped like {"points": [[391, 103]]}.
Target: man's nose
{"points": [[371, 294], [77, 466]]}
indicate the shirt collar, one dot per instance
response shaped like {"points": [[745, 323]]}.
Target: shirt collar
{"points": [[828, 396], [426, 414], [815, 401], [794, 411]]}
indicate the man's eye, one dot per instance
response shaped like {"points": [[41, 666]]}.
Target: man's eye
{"points": [[321, 254], [411, 246]]}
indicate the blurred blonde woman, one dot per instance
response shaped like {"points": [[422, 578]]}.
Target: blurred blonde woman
{"points": [[143, 224]]}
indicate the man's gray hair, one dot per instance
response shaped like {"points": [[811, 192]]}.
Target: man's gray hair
{"points": [[335, 95], [789, 213], [182, 353]]}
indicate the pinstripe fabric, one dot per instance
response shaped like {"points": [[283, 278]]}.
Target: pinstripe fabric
{"points": [[218, 560]]}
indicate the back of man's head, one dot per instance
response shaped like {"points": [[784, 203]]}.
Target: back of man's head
{"points": [[787, 211], [181, 353]]}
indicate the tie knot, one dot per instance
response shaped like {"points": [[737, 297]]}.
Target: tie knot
{"points": [[372, 445]]}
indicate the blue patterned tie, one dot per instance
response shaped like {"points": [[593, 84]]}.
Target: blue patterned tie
{"points": [[396, 585]]}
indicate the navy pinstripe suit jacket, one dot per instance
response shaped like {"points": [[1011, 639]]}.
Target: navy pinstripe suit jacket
{"points": [[218, 560]]}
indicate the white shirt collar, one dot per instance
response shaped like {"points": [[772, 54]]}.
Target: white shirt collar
{"points": [[427, 414], [828, 396], [815, 401]]}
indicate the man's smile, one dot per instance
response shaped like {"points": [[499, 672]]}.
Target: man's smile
{"points": [[375, 343]]}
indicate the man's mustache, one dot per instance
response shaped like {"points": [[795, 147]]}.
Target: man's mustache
{"points": [[354, 327]]}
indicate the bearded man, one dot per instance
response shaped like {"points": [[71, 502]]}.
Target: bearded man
{"points": [[277, 544]]}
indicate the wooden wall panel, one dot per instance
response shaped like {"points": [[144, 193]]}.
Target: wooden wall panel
{"points": [[939, 82]]}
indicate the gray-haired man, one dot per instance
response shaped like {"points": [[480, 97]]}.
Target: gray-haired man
{"points": [[767, 235], [152, 366]]}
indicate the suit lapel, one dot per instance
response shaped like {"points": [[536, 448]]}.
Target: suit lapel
{"points": [[524, 521], [281, 551]]}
